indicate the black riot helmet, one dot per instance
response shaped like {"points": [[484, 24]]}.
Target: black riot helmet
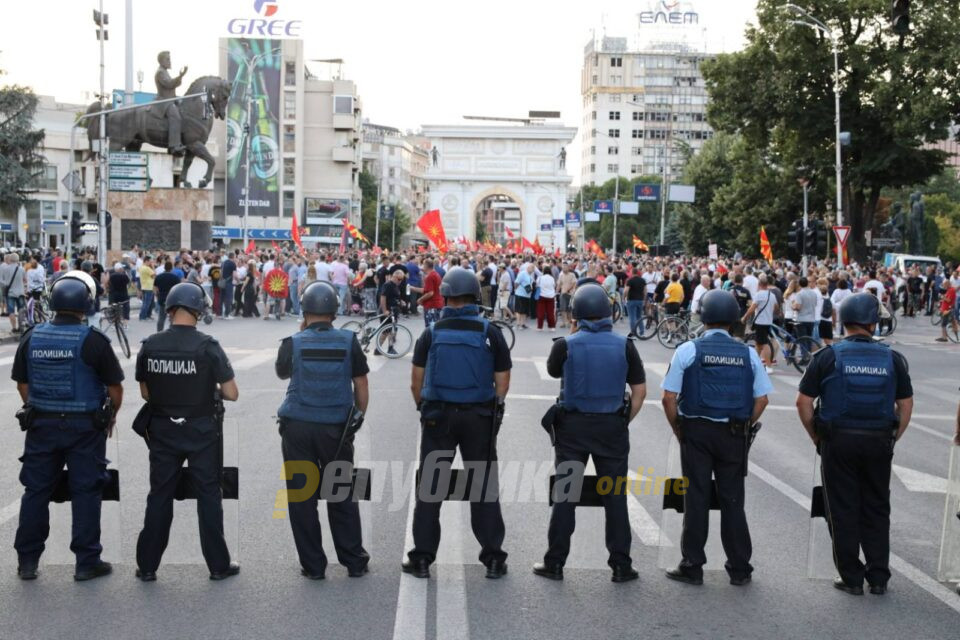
{"points": [[719, 307], [861, 308], [70, 293], [189, 296], [590, 302], [320, 299], [460, 282]]}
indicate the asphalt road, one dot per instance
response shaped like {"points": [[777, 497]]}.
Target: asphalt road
{"points": [[270, 598]]}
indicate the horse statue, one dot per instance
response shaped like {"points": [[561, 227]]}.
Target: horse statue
{"points": [[129, 130]]}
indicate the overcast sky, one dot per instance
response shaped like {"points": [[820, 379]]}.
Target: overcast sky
{"points": [[415, 62]]}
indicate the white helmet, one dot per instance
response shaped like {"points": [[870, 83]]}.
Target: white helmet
{"points": [[84, 277]]}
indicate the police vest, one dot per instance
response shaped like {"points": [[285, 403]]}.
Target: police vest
{"points": [[861, 390], [460, 361], [178, 374], [60, 381], [320, 388], [595, 371], [719, 383]]}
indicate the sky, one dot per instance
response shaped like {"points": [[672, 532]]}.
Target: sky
{"points": [[415, 62]]}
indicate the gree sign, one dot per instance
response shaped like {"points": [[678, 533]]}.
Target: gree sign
{"points": [[668, 12], [265, 26]]}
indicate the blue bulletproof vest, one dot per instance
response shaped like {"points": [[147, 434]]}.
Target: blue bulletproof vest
{"points": [[861, 390], [321, 385], [60, 381], [460, 361], [595, 371], [719, 383]]}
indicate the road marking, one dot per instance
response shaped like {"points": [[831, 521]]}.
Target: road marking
{"points": [[451, 612], [541, 365], [410, 622], [642, 522], [920, 482], [659, 368], [9, 511], [929, 431], [254, 360], [910, 572]]}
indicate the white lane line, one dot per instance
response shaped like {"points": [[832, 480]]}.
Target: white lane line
{"points": [[410, 622], [254, 360], [659, 368], [541, 365], [6, 361], [641, 521], [929, 431], [10, 511], [910, 572], [452, 622]]}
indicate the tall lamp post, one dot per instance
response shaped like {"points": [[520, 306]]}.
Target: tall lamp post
{"points": [[807, 20], [616, 191]]}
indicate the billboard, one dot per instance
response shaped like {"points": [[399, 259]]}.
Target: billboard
{"points": [[646, 192], [573, 219], [603, 206], [324, 217], [253, 66]]}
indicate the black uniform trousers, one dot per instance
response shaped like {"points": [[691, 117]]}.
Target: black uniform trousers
{"points": [[856, 485], [50, 444], [196, 441], [317, 443], [606, 439], [710, 451], [468, 427]]}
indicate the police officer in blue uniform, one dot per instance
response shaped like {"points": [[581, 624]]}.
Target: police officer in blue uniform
{"points": [[65, 370], [866, 400], [595, 366], [715, 389], [327, 370], [180, 371], [461, 374]]}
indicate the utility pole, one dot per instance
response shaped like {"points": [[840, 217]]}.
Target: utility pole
{"points": [[806, 218], [101, 19], [376, 232], [616, 208], [128, 79]]}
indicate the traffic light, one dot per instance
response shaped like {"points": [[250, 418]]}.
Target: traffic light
{"points": [[900, 17], [810, 238], [75, 232], [821, 238], [795, 237]]}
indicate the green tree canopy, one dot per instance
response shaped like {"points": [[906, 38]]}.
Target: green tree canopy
{"points": [[368, 214], [896, 94], [21, 145]]}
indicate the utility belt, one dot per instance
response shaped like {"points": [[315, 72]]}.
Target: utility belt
{"points": [[432, 411], [826, 429], [736, 427], [28, 415], [557, 412]]}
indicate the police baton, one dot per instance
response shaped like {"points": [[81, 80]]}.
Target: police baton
{"points": [[750, 432], [350, 427]]}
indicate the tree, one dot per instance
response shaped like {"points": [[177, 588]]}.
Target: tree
{"points": [[368, 214], [645, 225], [897, 93], [21, 160]]}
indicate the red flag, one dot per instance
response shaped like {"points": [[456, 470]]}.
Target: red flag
{"points": [[765, 248], [557, 252], [526, 244], [251, 247], [432, 226], [343, 240], [295, 233], [510, 233], [276, 247], [537, 249]]}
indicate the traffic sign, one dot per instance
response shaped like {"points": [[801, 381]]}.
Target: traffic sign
{"points": [[842, 234], [128, 171], [646, 192], [127, 184], [72, 182], [884, 242], [573, 219], [603, 206], [130, 158], [558, 223]]}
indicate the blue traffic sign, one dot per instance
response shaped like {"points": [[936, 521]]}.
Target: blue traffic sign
{"points": [[646, 192], [603, 206], [235, 233]]}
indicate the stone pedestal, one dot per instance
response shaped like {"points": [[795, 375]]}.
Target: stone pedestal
{"points": [[168, 219]]}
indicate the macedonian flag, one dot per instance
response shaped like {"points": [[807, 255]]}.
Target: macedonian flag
{"points": [[432, 227], [276, 283], [765, 248], [640, 245]]}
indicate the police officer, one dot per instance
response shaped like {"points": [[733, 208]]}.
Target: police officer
{"points": [[328, 385], [65, 370], [180, 371], [594, 365], [715, 388], [865, 404], [461, 374]]}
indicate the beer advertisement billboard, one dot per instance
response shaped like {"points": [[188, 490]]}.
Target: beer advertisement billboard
{"points": [[253, 66]]}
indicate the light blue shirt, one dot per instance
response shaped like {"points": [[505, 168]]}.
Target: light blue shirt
{"points": [[686, 354]]}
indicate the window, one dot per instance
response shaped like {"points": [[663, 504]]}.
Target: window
{"points": [[613, 151], [593, 168], [343, 105], [616, 62], [636, 168], [612, 168], [593, 150], [615, 97], [288, 204], [289, 106], [289, 138], [594, 78], [636, 133], [593, 116], [289, 171], [636, 150], [616, 78], [614, 133], [657, 134], [638, 116], [614, 115], [46, 180], [290, 73], [391, 172], [657, 116]]}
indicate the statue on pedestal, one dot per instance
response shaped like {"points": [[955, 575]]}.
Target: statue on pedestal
{"points": [[916, 223]]}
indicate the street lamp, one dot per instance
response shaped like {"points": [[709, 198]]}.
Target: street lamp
{"points": [[616, 192], [807, 20]]}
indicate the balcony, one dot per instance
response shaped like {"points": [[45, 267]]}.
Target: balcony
{"points": [[344, 121], [344, 154]]}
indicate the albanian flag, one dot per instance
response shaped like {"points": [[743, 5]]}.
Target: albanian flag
{"points": [[432, 226]]}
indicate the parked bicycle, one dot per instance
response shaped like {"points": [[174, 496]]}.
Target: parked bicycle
{"points": [[35, 311], [796, 351], [674, 330], [505, 326], [384, 331], [112, 316]]}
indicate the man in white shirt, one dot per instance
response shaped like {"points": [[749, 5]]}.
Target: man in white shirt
{"points": [[750, 282], [324, 269], [698, 293], [874, 283]]}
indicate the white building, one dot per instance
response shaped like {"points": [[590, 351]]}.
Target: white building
{"points": [[399, 162], [516, 174], [636, 104], [321, 154]]}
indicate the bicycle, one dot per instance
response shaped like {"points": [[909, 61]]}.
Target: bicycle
{"points": [[796, 351], [34, 312], [674, 330], [888, 325], [112, 316], [385, 332], [506, 328]]}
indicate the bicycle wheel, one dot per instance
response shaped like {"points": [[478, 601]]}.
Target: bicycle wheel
{"points": [[800, 352], [646, 328], [39, 314], [393, 340], [888, 325], [952, 334], [122, 339], [354, 326], [935, 319], [617, 312], [672, 332], [507, 332]]}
